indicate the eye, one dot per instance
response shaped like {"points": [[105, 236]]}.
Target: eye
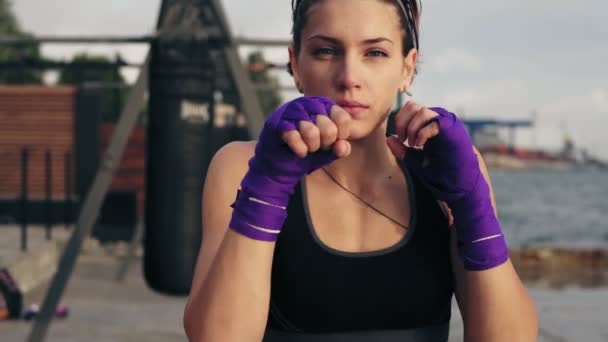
{"points": [[325, 51], [377, 53]]}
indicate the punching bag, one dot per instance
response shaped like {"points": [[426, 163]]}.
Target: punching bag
{"points": [[181, 91]]}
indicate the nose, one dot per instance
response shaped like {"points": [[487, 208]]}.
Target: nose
{"points": [[348, 74]]}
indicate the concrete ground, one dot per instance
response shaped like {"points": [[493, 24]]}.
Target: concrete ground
{"points": [[102, 309]]}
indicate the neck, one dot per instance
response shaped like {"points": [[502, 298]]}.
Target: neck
{"points": [[369, 163]]}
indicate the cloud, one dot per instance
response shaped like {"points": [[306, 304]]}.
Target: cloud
{"points": [[582, 116], [455, 60], [462, 98], [593, 101], [599, 99], [506, 98], [544, 8]]}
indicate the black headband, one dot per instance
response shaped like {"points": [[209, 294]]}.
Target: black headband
{"points": [[405, 9], [411, 22]]}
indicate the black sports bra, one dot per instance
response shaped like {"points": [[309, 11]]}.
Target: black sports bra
{"points": [[401, 293]]}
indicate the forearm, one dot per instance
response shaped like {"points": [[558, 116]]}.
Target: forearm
{"points": [[232, 304], [495, 305]]}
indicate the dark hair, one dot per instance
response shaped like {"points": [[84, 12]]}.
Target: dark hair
{"points": [[409, 11]]}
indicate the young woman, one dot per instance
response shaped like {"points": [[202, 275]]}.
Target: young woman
{"points": [[338, 233]]}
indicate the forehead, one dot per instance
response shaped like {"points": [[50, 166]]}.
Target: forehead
{"points": [[353, 19]]}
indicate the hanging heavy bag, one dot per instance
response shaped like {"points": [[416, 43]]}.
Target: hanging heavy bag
{"points": [[177, 157]]}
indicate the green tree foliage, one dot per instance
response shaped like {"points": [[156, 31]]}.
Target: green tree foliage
{"points": [[101, 73], [19, 57]]}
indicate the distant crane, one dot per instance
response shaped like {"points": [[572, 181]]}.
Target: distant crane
{"points": [[477, 125]]}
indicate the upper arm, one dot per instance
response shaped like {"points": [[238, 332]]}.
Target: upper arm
{"points": [[225, 172]]}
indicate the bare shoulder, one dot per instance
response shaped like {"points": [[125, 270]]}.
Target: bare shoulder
{"points": [[231, 160], [226, 170]]}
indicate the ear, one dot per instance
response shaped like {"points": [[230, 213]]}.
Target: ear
{"points": [[409, 68], [294, 67]]}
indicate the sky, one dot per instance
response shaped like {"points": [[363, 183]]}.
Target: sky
{"points": [[481, 59]]}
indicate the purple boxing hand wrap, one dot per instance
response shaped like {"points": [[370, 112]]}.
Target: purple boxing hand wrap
{"points": [[449, 167], [275, 170], [481, 243], [267, 219]]}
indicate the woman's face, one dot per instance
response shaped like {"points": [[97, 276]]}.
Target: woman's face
{"points": [[351, 51]]}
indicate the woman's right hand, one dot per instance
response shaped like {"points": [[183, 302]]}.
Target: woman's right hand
{"points": [[298, 138], [325, 132]]}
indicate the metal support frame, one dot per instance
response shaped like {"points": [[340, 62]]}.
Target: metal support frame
{"points": [[261, 42], [245, 88], [146, 39], [92, 205], [25, 156], [33, 64], [135, 242], [48, 192], [16, 41]]}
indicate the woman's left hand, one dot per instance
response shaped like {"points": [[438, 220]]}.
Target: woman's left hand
{"points": [[414, 125], [442, 157], [436, 146]]}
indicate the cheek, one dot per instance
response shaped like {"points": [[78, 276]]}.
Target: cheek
{"points": [[380, 82], [391, 78], [313, 75], [385, 88]]}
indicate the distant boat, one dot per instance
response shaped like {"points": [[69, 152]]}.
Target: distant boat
{"points": [[504, 157]]}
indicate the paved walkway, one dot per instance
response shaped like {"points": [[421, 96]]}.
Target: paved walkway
{"points": [[102, 309]]}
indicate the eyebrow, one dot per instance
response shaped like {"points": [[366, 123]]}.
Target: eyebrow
{"points": [[337, 41]]}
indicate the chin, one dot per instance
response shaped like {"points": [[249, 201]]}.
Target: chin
{"points": [[363, 129], [368, 124]]}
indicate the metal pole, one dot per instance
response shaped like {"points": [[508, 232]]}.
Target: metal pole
{"points": [[11, 40], [4, 40], [135, 242], [67, 172], [262, 42], [49, 195], [249, 101], [24, 197], [35, 64]]}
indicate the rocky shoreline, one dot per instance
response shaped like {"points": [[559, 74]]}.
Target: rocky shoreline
{"points": [[561, 267], [508, 162]]}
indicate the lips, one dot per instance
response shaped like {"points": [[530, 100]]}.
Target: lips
{"points": [[353, 107], [348, 103]]}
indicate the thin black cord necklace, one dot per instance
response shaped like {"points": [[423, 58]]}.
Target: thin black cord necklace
{"points": [[361, 199]]}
